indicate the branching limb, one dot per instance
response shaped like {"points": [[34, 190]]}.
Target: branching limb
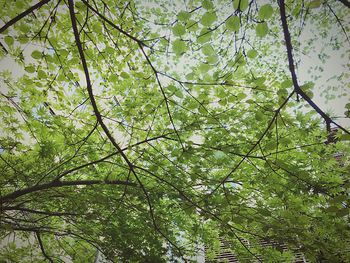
{"points": [[112, 24], [254, 146], [339, 22], [297, 88], [22, 15], [42, 247], [163, 93], [56, 183], [89, 86], [98, 114], [33, 211]]}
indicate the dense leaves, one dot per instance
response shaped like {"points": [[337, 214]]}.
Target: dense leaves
{"points": [[145, 131]]}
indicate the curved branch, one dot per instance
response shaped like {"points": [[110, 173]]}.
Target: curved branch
{"points": [[297, 88], [89, 86], [55, 183], [339, 22], [22, 15], [32, 211], [42, 247], [99, 117]]}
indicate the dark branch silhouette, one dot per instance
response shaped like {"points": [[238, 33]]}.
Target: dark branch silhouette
{"points": [[57, 183], [297, 88], [22, 15]]}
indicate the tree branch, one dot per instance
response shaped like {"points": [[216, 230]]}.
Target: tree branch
{"points": [[49, 213], [23, 14], [89, 86], [297, 88], [99, 117], [345, 2], [56, 183], [42, 247], [112, 24]]}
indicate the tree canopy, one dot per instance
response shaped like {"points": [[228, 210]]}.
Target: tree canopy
{"points": [[148, 130]]}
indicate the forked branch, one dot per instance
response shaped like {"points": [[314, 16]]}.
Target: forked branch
{"points": [[297, 88], [22, 15]]}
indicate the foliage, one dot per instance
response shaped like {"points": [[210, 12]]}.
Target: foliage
{"points": [[148, 129]]}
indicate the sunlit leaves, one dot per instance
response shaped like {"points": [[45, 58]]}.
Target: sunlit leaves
{"points": [[233, 23], [208, 50], [179, 29], [184, 16], [208, 18], [315, 4], [261, 29], [286, 84], [204, 35], [179, 46], [265, 11], [24, 28], [259, 116], [240, 96], [240, 4], [207, 4], [252, 53], [220, 91], [9, 40], [42, 74], [30, 69], [124, 75], [36, 54]]}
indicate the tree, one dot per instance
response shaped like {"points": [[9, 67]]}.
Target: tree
{"points": [[145, 130]]}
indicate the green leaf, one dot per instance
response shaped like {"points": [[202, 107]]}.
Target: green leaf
{"points": [[241, 4], [315, 4], [261, 29], [307, 86], [30, 69], [124, 75], [204, 67], [233, 23], [208, 18], [179, 46], [241, 96], [178, 93], [24, 28], [42, 74], [183, 16], [265, 12], [309, 93], [9, 40], [204, 36], [252, 53], [286, 84], [208, 50], [339, 199], [259, 116], [36, 54], [212, 59], [207, 4], [282, 93], [179, 30]]}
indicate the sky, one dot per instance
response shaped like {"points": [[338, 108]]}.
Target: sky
{"points": [[335, 65]]}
